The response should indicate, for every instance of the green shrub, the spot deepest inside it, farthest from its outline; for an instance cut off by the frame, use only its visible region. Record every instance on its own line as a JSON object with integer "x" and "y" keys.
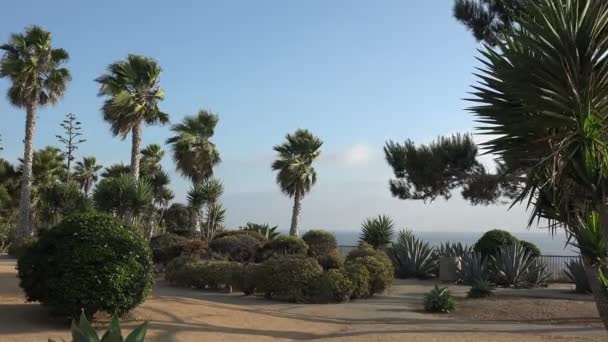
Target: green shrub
{"x": 239, "y": 248}
{"x": 252, "y": 233}
{"x": 194, "y": 247}
{"x": 481, "y": 288}
{"x": 83, "y": 331}
{"x": 250, "y": 277}
{"x": 363, "y": 250}
{"x": 575, "y": 271}
{"x": 377, "y": 263}
{"x": 330, "y": 286}
{"x": 191, "y": 272}
{"x": 18, "y": 248}
{"x": 531, "y": 248}
{"x": 377, "y": 231}
{"x": 89, "y": 261}
{"x": 270, "y": 233}
{"x": 181, "y": 271}
{"x": 491, "y": 241}
{"x": 166, "y": 247}
{"x": 359, "y": 277}
{"x": 283, "y": 245}
{"x": 439, "y": 299}
{"x": 331, "y": 261}
{"x": 320, "y": 243}
{"x": 415, "y": 258}
{"x": 287, "y": 277}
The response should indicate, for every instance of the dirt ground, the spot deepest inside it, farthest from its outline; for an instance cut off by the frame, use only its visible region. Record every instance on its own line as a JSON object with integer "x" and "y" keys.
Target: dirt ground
{"x": 176, "y": 314}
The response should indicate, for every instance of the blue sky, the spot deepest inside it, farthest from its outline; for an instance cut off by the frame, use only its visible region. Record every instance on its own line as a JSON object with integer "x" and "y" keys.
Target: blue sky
{"x": 356, "y": 73}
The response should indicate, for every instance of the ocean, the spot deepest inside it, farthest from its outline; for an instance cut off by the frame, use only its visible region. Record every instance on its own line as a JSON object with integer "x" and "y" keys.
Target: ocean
{"x": 548, "y": 245}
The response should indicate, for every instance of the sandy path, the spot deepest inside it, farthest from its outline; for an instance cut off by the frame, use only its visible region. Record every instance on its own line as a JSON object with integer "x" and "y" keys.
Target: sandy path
{"x": 188, "y": 315}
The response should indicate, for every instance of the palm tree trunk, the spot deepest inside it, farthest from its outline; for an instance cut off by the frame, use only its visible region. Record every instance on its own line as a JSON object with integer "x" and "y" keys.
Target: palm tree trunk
{"x": 135, "y": 150}
{"x": 295, "y": 216}
{"x": 25, "y": 201}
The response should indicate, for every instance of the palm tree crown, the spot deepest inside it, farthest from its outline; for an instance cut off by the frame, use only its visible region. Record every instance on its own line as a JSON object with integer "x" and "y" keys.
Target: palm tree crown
{"x": 294, "y": 163}
{"x": 193, "y": 152}
{"x": 86, "y": 173}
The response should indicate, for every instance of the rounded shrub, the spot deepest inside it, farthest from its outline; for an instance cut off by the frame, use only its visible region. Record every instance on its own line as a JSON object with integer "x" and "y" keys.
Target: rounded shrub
{"x": 88, "y": 262}
{"x": 167, "y": 246}
{"x": 377, "y": 263}
{"x": 282, "y": 246}
{"x": 181, "y": 271}
{"x": 256, "y": 235}
{"x": 360, "y": 279}
{"x": 331, "y": 261}
{"x": 530, "y": 248}
{"x": 239, "y": 248}
{"x": 491, "y": 241}
{"x": 18, "y": 248}
{"x": 288, "y": 277}
{"x": 250, "y": 278}
{"x": 362, "y": 250}
{"x": 320, "y": 242}
{"x": 330, "y": 286}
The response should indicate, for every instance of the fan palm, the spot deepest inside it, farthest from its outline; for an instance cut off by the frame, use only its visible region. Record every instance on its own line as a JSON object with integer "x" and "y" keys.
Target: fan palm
{"x": 543, "y": 94}
{"x": 193, "y": 152}
{"x": 48, "y": 167}
{"x": 151, "y": 156}
{"x": 206, "y": 197}
{"x": 115, "y": 170}
{"x": 132, "y": 93}
{"x": 38, "y": 78}
{"x": 86, "y": 172}
{"x": 295, "y": 173}
{"x": 123, "y": 196}
{"x": 377, "y": 231}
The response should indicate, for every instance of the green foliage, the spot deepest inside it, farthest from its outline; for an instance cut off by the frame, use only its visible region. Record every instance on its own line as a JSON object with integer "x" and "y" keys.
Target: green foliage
{"x": 473, "y": 268}
{"x": 492, "y": 240}
{"x": 58, "y": 200}
{"x": 453, "y": 249}
{"x": 89, "y": 261}
{"x": 177, "y": 219}
{"x": 439, "y": 299}
{"x": 330, "y": 286}
{"x": 240, "y": 248}
{"x": 415, "y": 258}
{"x": 288, "y": 277}
{"x": 331, "y": 261}
{"x": 212, "y": 275}
{"x": 254, "y": 234}
{"x": 83, "y": 331}
{"x": 488, "y": 19}
{"x": 359, "y": 277}
{"x": 19, "y": 247}
{"x": 362, "y": 250}
{"x": 181, "y": 271}
{"x": 85, "y": 173}
{"x": 284, "y": 245}
{"x": 538, "y": 273}
{"x": 270, "y": 233}
{"x": 511, "y": 265}
{"x": 377, "y": 263}
{"x": 166, "y": 247}
{"x": 320, "y": 243}
{"x": 575, "y": 271}
{"x": 377, "y": 231}
{"x": 194, "y": 247}
{"x": 531, "y": 248}
{"x": 481, "y": 288}
{"x": 124, "y": 196}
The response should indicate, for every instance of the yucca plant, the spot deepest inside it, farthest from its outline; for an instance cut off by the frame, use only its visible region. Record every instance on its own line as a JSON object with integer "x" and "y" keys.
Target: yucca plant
{"x": 481, "y": 288}
{"x": 538, "y": 274}
{"x": 453, "y": 249}
{"x": 377, "y": 231}
{"x": 473, "y": 268}
{"x": 575, "y": 271}
{"x": 265, "y": 229}
{"x": 511, "y": 265}
{"x": 415, "y": 258}
{"x": 82, "y": 331}
{"x": 439, "y": 299}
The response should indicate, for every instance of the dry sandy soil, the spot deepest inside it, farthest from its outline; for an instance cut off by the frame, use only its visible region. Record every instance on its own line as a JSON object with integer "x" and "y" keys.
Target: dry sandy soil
{"x": 189, "y": 315}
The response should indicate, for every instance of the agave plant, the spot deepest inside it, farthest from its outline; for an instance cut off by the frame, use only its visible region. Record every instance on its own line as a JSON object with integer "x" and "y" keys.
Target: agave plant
{"x": 481, "y": 288}
{"x": 473, "y": 268}
{"x": 265, "y": 229}
{"x": 414, "y": 257}
{"x": 511, "y": 265}
{"x": 575, "y": 271}
{"x": 538, "y": 274}
{"x": 84, "y": 332}
{"x": 453, "y": 249}
{"x": 439, "y": 299}
{"x": 377, "y": 231}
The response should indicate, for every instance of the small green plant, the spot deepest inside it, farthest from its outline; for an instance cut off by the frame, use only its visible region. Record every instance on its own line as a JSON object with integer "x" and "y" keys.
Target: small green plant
{"x": 575, "y": 271}
{"x": 439, "y": 299}
{"x": 415, "y": 258}
{"x": 82, "y": 331}
{"x": 481, "y": 288}
{"x": 377, "y": 231}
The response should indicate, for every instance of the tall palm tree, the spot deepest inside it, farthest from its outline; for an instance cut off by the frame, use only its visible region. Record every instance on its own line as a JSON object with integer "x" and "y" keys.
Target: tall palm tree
{"x": 193, "y": 152}
{"x": 38, "y": 78}
{"x": 151, "y": 156}
{"x": 132, "y": 93}
{"x": 115, "y": 170}
{"x": 296, "y": 175}
{"x": 86, "y": 173}
{"x": 542, "y": 94}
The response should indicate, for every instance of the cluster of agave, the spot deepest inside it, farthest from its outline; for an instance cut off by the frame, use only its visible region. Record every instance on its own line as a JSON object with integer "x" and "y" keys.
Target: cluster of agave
{"x": 83, "y": 331}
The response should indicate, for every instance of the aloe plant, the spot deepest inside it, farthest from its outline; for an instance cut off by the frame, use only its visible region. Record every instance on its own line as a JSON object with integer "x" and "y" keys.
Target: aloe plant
{"x": 473, "y": 268}
{"x": 414, "y": 257}
{"x": 84, "y": 332}
{"x": 453, "y": 249}
{"x": 511, "y": 265}
{"x": 575, "y": 271}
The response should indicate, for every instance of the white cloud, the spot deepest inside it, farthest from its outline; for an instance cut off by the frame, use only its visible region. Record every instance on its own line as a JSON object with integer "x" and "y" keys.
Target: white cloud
{"x": 356, "y": 155}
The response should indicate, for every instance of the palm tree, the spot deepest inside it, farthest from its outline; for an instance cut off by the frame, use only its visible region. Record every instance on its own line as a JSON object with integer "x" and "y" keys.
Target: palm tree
{"x": 48, "y": 167}
{"x": 151, "y": 156}
{"x": 124, "y": 197}
{"x": 203, "y": 202}
{"x": 115, "y": 170}
{"x": 38, "y": 78}
{"x": 296, "y": 176}
{"x": 487, "y": 19}
{"x": 196, "y": 203}
{"x": 193, "y": 152}
{"x": 86, "y": 173}
{"x": 132, "y": 94}
{"x": 542, "y": 95}
{"x": 377, "y": 231}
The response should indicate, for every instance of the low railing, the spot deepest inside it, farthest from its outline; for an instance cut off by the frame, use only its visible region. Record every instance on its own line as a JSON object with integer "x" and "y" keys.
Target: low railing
{"x": 555, "y": 263}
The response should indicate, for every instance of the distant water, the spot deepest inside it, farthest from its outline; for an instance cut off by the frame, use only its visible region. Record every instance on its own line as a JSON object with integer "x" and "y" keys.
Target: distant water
{"x": 548, "y": 245}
